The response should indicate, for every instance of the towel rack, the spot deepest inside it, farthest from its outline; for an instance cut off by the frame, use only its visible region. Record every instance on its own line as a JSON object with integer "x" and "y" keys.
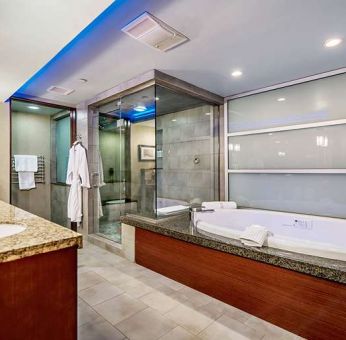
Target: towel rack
{"x": 39, "y": 175}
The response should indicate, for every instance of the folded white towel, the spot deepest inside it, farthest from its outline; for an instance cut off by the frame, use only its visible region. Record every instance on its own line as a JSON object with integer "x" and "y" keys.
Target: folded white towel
{"x": 172, "y": 209}
{"x": 25, "y": 163}
{"x": 26, "y": 166}
{"x": 220, "y": 205}
{"x": 254, "y": 236}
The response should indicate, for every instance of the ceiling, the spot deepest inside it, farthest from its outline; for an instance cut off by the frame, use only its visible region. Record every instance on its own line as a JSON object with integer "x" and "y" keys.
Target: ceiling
{"x": 272, "y": 41}
{"x": 33, "y": 32}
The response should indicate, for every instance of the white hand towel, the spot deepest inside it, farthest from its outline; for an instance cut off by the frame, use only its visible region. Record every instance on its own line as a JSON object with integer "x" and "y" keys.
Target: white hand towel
{"x": 220, "y": 205}
{"x": 26, "y": 166}
{"x": 25, "y": 163}
{"x": 254, "y": 236}
{"x": 26, "y": 180}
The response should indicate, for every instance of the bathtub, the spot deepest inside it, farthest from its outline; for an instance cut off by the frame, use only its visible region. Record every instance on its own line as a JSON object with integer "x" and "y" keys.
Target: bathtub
{"x": 306, "y": 234}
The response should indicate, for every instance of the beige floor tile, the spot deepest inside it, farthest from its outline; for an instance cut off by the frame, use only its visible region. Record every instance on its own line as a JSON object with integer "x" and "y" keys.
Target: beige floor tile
{"x": 171, "y": 283}
{"x": 188, "y": 318}
{"x": 178, "y": 333}
{"x": 150, "y": 280}
{"x": 146, "y": 325}
{"x": 131, "y": 269}
{"x": 236, "y": 314}
{"x": 290, "y": 336}
{"x": 85, "y": 313}
{"x": 84, "y": 269}
{"x": 113, "y": 259}
{"x": 88, "y": 279}
{"x": 115, "y": 277}
{"x": 135, "y": 288}
{"x": 108, "y": 273}
{"x": 271, "y": 331}
{"x": 165, "y": 290}
{"x": 193, "y": 297}
{"x": 214, "y": 309}
{"x": 99, "y": 330}
{"x": 226, "y": 328}
{"x": 99, "y": 293}
{"x": 159, "y": 301}
{"x": 175, "y": 311}
{"x": 119, "y": 308}
{"x": 91, "y": 260}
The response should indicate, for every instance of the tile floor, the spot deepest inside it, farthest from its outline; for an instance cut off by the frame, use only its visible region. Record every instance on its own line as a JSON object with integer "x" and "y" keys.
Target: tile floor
{"x": 122, "y": 300}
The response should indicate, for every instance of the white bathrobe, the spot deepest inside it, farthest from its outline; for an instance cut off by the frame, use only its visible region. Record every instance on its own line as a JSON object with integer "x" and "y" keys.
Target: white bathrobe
{"x": 77, "y": 176}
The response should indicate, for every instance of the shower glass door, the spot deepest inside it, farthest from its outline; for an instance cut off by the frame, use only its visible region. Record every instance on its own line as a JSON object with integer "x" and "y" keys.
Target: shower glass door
{"x": 126, "y": 162}
{"x": 113, "y": 135}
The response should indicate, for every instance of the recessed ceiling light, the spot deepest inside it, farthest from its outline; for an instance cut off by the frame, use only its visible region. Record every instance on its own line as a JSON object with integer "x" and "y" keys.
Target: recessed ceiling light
{"x": 332, "y": 42}
{"x": 140, "y": 108}
{"x": 207, "y": 113}
{"x": 157, "y": 98}
{"x": 237, "y": 73}
{"x": 174, "y": 120}
{"x": 32, "y": 107}
{"x": 281, "y": 99}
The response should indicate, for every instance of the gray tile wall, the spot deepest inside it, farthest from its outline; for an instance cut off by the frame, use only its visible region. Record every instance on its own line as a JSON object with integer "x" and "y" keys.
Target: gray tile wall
{"x": 59, "y": 197}
{"x": 186, "y": 169}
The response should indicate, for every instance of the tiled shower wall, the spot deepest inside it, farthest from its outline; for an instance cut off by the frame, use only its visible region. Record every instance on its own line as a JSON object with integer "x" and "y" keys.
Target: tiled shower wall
{"x": 186, "y": 171}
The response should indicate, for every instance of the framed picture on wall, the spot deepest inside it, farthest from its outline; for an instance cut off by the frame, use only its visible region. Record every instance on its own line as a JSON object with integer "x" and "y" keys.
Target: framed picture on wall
{"x": 146, "y": 153}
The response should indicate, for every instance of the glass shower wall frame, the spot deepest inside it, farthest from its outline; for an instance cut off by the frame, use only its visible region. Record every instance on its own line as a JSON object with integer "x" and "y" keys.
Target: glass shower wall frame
{"x": 146, "y": 173}
{"x": 126, "y": 125}
{"x": 187, "y": 151}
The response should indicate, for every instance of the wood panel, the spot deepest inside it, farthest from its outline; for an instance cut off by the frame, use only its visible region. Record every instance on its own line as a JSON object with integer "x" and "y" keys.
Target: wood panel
{"x": 38, "y": 299}
{"x": 305, "y": 305}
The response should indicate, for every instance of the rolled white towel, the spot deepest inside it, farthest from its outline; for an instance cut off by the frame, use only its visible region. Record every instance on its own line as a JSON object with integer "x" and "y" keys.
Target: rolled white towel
{"x": 172, "y": 209}
{"x": 254, "y": 236}
{"x": 220, "y": 205}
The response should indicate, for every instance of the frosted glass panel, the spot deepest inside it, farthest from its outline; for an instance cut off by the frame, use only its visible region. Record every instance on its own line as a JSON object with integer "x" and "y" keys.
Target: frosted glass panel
{"x": 314, "y": 148}
{"x": 315, "y": 101}
{"x": 301, "y": 193}
{"x": 62, "y": 148}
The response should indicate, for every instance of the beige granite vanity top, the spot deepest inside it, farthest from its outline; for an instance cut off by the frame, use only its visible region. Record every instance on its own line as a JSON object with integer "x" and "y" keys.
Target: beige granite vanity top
{"x": 40, "y": 235}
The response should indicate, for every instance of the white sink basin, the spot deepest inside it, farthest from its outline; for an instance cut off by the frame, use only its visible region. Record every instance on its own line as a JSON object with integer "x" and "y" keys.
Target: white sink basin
{"x": 10, "y": 229}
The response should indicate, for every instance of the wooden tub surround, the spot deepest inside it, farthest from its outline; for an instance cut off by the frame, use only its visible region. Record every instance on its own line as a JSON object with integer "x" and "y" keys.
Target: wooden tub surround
{"x": 308, "y": 306}
{"x": 38, "y": 279}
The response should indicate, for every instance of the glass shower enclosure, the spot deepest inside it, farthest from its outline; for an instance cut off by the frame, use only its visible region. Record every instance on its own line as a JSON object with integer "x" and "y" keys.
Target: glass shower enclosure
{"x": 158, "y": 154}
{"x": 127, "y": 180}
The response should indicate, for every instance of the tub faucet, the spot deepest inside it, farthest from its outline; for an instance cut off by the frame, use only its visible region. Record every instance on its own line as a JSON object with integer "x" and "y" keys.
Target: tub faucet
{"x": 193, "y": 214}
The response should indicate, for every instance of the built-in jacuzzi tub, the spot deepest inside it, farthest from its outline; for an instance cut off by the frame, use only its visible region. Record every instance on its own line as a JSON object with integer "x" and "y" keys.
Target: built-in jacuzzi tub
{"x": 306, "y": 234}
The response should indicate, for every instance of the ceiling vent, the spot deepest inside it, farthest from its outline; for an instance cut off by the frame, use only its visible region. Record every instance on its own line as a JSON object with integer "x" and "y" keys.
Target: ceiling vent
{"x": 153, "y": 32}
{"x": 62, "y": 91}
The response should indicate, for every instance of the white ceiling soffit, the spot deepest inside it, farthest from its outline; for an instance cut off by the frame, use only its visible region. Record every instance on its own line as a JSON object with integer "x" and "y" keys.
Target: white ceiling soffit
{"x": 271, "y": 41}
{"x": 33, "y": 32}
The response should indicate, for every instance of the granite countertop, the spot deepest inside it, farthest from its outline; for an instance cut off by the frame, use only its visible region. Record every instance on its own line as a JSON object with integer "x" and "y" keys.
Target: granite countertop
{"x": 40, "y": 235}
{"x": 179, "y": 227}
